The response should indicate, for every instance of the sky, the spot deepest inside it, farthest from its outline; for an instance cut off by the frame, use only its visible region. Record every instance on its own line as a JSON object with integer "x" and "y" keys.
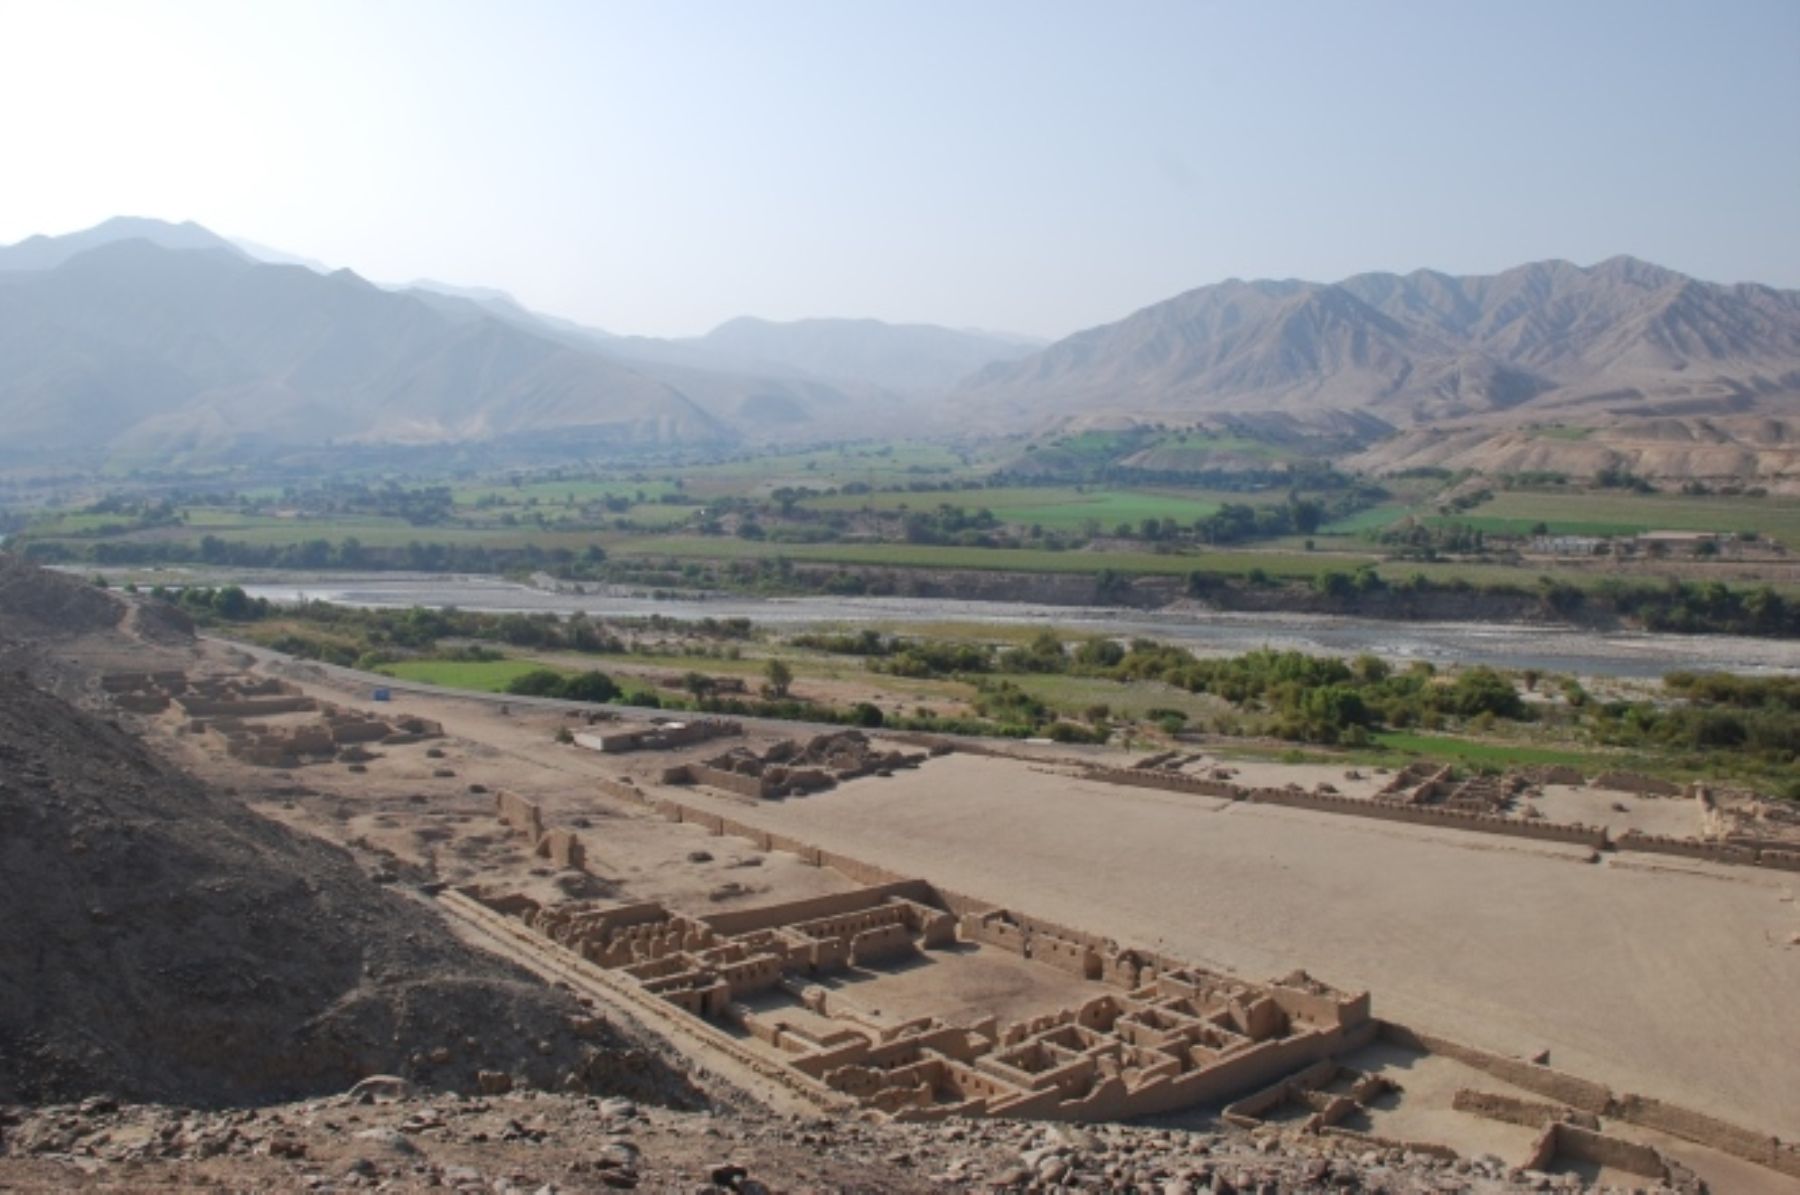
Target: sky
{"x": 1033, "y": 167}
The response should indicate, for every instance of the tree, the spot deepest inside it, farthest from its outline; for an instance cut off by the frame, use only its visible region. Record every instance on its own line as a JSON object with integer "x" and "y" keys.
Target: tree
{"x": 591, "y": 686}
{"x": 780, "y": 678}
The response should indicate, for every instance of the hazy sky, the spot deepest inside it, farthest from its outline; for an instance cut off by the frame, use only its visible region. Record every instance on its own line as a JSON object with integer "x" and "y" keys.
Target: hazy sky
{"x": 661, "y": 166}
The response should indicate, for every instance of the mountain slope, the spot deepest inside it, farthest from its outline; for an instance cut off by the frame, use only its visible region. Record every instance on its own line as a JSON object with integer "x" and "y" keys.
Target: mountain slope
{"x": 190, "y": 355}
{"x": 1421, "y": 348}
{"x": 47, "y": 252}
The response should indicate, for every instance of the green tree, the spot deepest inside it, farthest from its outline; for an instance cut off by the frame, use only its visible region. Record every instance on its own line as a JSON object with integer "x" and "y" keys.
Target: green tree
{"x": 591, "y": 686}
{"x": 780, "y": 678}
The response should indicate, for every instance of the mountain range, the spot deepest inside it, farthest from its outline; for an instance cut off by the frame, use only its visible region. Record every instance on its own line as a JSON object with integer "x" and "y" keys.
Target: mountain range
{"x": 143, "y": 341}
{"x": 140, "y": 341}
{"x": 1423, "y": 348}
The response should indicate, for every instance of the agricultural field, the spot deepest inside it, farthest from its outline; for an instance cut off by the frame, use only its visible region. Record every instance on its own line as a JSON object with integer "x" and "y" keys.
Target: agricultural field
{"x": 1516, "y": 512}
{"x": 488, "y": 676}
{"x": 829, "y": 468}
{"x": 1044, "y": 560}
{"x": 1055, "y": 508}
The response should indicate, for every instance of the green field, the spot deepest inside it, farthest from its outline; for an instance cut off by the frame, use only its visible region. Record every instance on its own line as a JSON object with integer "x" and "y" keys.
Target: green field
{"x": 826, "y": 468}
{"x": 1478, "y": 752}
{"x": 1515, "y": 512}
{"x": 1372, "y": 519}
{"x": 489, "y": 676}
{"x": 1276, "y": 564}
{"x": 1057, "y": 508}
{"x": 553, "y": 493}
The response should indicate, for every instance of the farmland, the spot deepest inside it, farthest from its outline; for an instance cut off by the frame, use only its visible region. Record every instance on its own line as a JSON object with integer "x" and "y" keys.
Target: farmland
{"x": 1517, "y": 512}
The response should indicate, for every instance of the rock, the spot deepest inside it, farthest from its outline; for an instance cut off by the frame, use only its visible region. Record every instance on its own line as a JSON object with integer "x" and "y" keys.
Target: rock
{"x": 388, "y": 1139}
{"x": 493, "y": 1082}
{"x": 700, "y": 857}
{"x": 382, "y": 1089}
{"x": 1076, "y": 1137}
{"x": 618, "y": 1109}
{"x": 727, "y": 1174}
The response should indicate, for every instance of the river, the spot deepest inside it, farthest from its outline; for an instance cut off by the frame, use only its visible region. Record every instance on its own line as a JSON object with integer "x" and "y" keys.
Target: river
{"x": 1547, "y": 648}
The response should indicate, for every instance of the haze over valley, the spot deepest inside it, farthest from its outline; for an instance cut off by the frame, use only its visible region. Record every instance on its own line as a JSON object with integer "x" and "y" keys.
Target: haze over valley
{"x": 191, "y": 350}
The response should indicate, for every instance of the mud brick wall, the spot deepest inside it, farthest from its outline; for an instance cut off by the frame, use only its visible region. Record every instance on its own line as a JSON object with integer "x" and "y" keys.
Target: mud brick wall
{"x": 1532, "y": 1114}
{"x": 1170, "y": 781}
{"x": 1589, "y": 836}
{"x": 731, "y": 782}
{"x": 519, "y": 814}
{"x": 1706, "y": 1130}
{"x": 1541, "y": 1080}
{"x": 623, "y": 789}
{"x": 1588, "y": 1145}
{"x": 564, "y": 850}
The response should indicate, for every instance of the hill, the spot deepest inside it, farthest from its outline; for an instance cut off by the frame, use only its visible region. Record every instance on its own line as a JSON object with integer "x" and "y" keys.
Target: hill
{"x": 1620, "y": 340}
{"x": 160, "y": 940}
{"x": 132, "y": 352}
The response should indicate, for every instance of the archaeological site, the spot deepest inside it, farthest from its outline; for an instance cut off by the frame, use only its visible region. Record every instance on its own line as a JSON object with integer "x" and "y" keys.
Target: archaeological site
{"x": 368, "y": 939}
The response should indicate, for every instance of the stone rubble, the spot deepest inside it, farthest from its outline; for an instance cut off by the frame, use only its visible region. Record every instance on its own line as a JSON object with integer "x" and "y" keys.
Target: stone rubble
{"x": 532, "y": 1142}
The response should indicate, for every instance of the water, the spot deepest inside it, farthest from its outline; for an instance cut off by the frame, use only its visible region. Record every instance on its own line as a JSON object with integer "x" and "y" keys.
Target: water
{"x": 1547, "y": 648}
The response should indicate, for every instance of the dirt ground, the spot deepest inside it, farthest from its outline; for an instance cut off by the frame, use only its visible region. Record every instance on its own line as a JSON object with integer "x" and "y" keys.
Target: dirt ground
{"x": 1669, "y": 978}
{"x": 1677, "y": 817}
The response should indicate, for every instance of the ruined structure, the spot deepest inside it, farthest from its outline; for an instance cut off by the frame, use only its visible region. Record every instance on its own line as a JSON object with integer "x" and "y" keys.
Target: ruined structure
{"x": 789, "y": 768}
{"x": 1155, "y": 1035}
{"x": 1426, "y": 794}
{"x": 258, "y": 720}
{"x": 563, "y": 848}
{"x": 658, "y": 736}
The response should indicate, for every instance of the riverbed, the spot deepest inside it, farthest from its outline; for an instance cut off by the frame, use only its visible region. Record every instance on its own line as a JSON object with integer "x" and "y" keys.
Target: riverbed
{"x": 1549, "y": 648}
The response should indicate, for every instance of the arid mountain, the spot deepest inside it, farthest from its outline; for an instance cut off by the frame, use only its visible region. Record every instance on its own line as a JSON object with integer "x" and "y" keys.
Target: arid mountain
{"x": 1621, "y": 337}
{"x": 133, "y": 352}
{"x": 900, "y": 358}
{"x": 47, "y": 252}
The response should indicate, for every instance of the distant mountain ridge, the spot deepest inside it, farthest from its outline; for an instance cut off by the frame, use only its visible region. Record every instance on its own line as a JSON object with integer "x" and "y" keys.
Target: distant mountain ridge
{"x": 139, "y": 353}
{"x": 48, "y": 252}
{"x": 140, "y": 340}
{"x": 1422, "y": 347}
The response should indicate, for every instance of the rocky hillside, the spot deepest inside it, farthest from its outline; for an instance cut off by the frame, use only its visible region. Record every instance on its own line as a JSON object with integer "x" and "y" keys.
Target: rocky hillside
{"x": 159, "y": 940}
{"x": 1622, "y": 338}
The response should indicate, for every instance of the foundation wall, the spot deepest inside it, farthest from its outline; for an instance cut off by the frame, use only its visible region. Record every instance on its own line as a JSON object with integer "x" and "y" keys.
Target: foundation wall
{"x": 623, "y": 789}
{"x": 1541, "y": 1080}
{"x": 744, "y": 921}
{"x": 1588, "y": 1145}
{"x": 1589, "y": 836}
{"x": 1710, "y": 1131}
